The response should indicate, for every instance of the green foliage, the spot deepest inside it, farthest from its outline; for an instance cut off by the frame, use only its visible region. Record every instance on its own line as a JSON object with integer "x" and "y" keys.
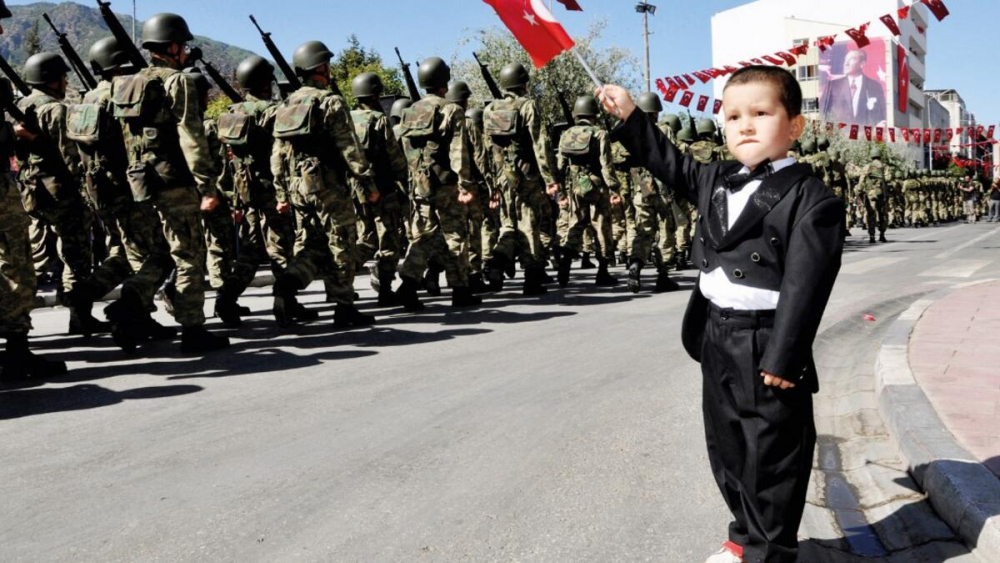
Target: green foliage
{"x": 217, "y": 106}
{"x": 356, "y": 59}
{"x": 496, "y": 47}
{"x": 32, "y": 41}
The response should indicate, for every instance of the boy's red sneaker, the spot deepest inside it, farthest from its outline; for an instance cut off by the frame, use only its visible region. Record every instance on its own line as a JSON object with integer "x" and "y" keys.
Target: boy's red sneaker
{"x": 730, "y": 553}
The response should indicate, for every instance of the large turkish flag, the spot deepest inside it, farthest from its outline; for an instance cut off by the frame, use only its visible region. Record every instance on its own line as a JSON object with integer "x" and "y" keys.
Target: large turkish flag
{"x": 534, "y": 27}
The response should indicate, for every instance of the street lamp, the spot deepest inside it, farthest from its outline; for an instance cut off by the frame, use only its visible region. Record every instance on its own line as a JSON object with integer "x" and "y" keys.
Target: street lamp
{"x": 646, "y": 9}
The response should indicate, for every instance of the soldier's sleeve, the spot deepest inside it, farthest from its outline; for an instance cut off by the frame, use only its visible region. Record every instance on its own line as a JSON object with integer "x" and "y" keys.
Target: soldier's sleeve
{"x": 341, "y": 127}
{"x": 547, "y": 165}
{"x": 279, "y": 169}
{"x": 52, "y": 120}
{"x": 396, "y": 159}
{"x": 479, "y": 155}
{"x": 183, "y": 93}
{"x": 608, "y": 163}
{"x": 459, "y": 151}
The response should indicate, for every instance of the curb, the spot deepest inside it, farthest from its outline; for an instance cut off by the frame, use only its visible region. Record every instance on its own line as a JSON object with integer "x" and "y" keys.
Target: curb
{"x": 47, "y": 300}
{"x": 965, "y": 494}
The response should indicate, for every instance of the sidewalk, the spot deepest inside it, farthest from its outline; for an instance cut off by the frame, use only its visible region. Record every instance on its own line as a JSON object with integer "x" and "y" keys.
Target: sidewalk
{"x": 955, "y": 357}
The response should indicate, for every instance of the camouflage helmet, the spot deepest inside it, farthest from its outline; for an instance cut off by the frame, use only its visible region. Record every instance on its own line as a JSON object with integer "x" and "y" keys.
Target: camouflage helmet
{"x": 513, "y": 75}
{"x": 476, "y": 115}
{"x": 398, "y": 106}
{"x": 367, "y": 85}
{"x": 809, "y": 146}
{"x": 686, "y": 134}
{"x": 706, "y": 127}
{"x": 254, "y": 73}
{"x": 458, "y": 92}
{"x": 106, "y": 55}
{"x": 433, "y": 73}
{"x": 673, "y": 121}
{"x": 585, "y": 106}
{"x": 199, "y": 79}
{"x": 875, "y": 153}
{"x": 649, "y": 103}
{"x": 165, "y": 28}
{"x": 823, "y": 144}
{"x": 43, "y": 68}
{"x": 4, "y": 11}
{"x": 310, "y": 56}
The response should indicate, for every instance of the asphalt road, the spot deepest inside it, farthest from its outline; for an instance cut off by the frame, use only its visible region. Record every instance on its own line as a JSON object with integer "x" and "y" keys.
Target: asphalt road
{"x": 561, "y": 429}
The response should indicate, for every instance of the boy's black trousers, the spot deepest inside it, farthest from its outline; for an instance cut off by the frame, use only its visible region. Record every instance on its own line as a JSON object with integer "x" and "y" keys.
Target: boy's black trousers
{"x": 760, "y": 438}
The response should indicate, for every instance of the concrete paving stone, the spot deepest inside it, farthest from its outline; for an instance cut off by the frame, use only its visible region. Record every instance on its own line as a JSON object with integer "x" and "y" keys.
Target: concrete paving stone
{"x": 821, "y": 526}
{"x": 868, "y": 451}
{"x": 879, "y": 484}
{"x": 866, "y": 422}
{"x": 902, "y": 524}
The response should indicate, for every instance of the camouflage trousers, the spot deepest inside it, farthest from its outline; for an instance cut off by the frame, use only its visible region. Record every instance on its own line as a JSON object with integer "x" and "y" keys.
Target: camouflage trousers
{"x": 476, "y": 219}
{"x": 220, "y": 244}
{"x": 583, "y": 211}
{"x": 525, "y": 234}
{"x": 439, "y": 231}
{"x": 654, "y": 219}
{"x": 265, "y": 235}
{"x": 876, "y": 213}
{"x": 17, "y": 276}
{"x": 623, "y": 229}
{"x": 43, "y": 248}
{"x": 119, "y": 264}
{"x": 379, "y": 226}
{"x": 683, "y": 222}
{"x": 326, "y": 242}
{"x": 147, "y": 251}
{"x": 493, "y": 219}
{"x": 70, "y": 220}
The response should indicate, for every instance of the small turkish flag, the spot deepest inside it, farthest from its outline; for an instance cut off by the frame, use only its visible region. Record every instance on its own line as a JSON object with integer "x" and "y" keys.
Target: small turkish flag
{"x": 879, "y": 134}
{"x": 686, "y": 98}
{"x": 703, "y": 76}
{"x": 937, "y": 8}
{"x": 979, "y": 131}
{"x": 671, "y": 94}
{"x": 937, "y": 135}
{"x": 892, "y": 134}
{"x": 680, "y": 82}
{"x": 951, "y": 134}
{"x": 799, "y": 50}
{"x": 534, "y": 27}
{"x": 906, "y": 134}
{"x": 859, "y": 35}
{"x": 716, "y": 106}
{"x": 868, "y": 132}
{"x": 702, "y": 103}
{"x": 854, "y": 133}
{"x": 773, "y": 60}
{"x": 829, "y": 127}
{"x": 571, "y": 5}
{"x": 787, "y": 57}
{"x": 990, "y": 131}
{"x": 841, "y": 125}
{"x": 661, "y": 86}
{"x": 689, "y": 79}
{"x": 927, "y": 136}
{"x": 904, "y": 12}
{"x": 891, "y": 24}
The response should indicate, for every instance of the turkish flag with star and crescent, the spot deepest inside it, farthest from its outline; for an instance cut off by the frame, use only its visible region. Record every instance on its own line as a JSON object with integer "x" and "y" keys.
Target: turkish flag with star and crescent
{"x": 534, "y": 27}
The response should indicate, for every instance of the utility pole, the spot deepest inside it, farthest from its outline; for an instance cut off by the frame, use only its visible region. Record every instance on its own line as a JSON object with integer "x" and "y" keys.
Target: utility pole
{"x": 646, "y": 9}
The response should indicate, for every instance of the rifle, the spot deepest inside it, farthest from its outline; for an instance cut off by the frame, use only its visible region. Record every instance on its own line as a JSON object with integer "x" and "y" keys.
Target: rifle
{"x": 14, "y": 77}
{"x": 75, "y": 61}
{"x": 196, "y": 55}
{"x": 411, "y": 86}
{"x": 28, "y": 121}
{"x": 566, "y": 111}
{"x": 292, "y": 81}
{"x": 488, "y": 77}
{"x": 121, "y": 36}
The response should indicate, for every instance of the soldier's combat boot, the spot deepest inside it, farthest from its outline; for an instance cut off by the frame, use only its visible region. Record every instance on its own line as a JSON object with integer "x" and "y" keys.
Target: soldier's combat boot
{"x": 197, "y": 340}
{"x": 534, "y": 282}
{"x": 495, "y": 272}
{"x": 476, "y": 284}
{"x": 244, "y": 311}
{"x": 681, "y": 262}
{"x": 228, "y": 310}
{"x": 168, "y": 294}
{"x": 432, "y": 281}
{"x": 663, "y": 281}
{"x": 374, "y": 278}
{"x": 407, "y": 295}
{"x": 298, "y": 312}
{"x": 585, "y": 263}
{"x": 386, "y": 297}
{"x": 881, "y": 238}
{"x": 604, "y": 278}
{"x": 635, "y": 276}
{"x": 155, "y": 331}
{"x": 565, "y": 264}
{"x": 347, "y": 315}
{"x": 18, "y": 363}
{"x": 127, "y": 315}
{"x": 463, "y": 297}
{"x": 871, "y": 239}
{"x": 81, "y": 318}
{"x": 284, "y": 291}
{"x": 622, "y": 258}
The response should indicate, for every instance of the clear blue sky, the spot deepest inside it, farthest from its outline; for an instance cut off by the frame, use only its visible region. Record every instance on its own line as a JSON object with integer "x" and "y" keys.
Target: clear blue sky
{"x": 959, "y": 57}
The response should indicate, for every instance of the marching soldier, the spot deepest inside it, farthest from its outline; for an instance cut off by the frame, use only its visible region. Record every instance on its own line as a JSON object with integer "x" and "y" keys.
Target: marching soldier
{"x": 315, "y": 152}
{"x": 591, "y": 189}
{"x": 170, "y": 165}
{"x": 872, "y": 189}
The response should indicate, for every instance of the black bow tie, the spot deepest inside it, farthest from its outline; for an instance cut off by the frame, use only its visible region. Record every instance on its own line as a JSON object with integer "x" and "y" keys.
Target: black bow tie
{"x": 736, "y": 182}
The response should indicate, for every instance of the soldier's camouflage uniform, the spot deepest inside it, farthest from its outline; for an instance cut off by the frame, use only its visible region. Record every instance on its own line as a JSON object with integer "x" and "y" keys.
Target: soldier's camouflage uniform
{"x": 623, "y": 216}
{"x": 170, "y": 165}
{"x": 654, "y": 217}
{"x": 484, "y": 223}
{"x": 220, "y": 237}
{"x": 587, "y": 163}
{"x": 872, "y": 190}
{"x": 17, "y": 276}
{"x": 315, "y": 150}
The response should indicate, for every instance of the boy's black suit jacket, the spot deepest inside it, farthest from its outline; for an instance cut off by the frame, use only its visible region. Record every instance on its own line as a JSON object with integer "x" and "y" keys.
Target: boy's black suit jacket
{"x": 789, "y": 239}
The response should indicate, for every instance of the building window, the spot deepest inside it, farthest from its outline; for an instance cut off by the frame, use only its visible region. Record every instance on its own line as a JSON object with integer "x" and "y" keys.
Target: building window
{"x": 798, "y": 42}
{"x": 916, "y": 111}
{"x": 808, "y": 72}
{"x": 810, "y": 105}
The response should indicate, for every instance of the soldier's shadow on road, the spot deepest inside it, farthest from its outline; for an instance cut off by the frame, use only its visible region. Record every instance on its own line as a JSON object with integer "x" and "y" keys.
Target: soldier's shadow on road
{"x": 19, "y": 403}
{"x": 914, "y": 530}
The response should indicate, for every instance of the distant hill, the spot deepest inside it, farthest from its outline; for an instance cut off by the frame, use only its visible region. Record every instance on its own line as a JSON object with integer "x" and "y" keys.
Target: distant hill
{"x": 83, "y": 26}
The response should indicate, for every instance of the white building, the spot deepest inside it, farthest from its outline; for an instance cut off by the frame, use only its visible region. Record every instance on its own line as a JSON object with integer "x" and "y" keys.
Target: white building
{"x": 958, "y": 117}
{"x": 768, "y": 26}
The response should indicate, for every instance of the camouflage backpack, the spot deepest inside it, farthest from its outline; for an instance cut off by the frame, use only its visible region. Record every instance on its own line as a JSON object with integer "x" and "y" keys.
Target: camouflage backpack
{"x": 138, "y": 99}
{"x": 502, "y": 121}
{"x": 43, "y": 173}
{"x": 577, "y": 146}
{"x": 426, "y": 151}
{"x": 102, "y": 149}
{"x": 298, "y": 123}
{"x": 250, "y": 146}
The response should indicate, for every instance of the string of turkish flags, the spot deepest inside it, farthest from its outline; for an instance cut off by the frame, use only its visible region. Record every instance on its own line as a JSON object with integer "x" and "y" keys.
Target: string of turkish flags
{"x": 967, "y": 145}
{"x": 914, "y": 135}
{"x": 671, "y": 86}
{"x": 966, "y": 163}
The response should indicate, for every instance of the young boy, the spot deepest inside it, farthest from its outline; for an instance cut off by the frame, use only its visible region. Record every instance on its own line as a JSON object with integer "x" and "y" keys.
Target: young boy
{"x": 768, "y": 243}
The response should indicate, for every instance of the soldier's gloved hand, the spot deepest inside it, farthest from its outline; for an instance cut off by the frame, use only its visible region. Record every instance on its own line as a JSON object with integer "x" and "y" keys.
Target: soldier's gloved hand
{"x": 465, "y": 198}
{"x": 209, "y": 203}
{"x": 21, "y": 133}
{"x": 283, "y": 208}
{"x": 616, "y": 199}
{"x": 553, "y": 189}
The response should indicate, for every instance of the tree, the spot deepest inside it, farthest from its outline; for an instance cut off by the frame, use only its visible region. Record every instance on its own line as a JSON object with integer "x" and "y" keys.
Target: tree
{"x": 496, "y": 47}
{"x": 217, "y": 106}
{"x": 356, "y": 59}
{"x": 32, "y": 41}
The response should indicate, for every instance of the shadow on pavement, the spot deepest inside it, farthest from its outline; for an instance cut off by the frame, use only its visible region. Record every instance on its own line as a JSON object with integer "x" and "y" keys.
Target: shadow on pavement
{"x": 19, "y": 403}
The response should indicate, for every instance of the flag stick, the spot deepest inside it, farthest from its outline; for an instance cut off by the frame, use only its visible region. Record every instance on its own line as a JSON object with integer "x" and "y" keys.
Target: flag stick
{"x": 593, "y": 76}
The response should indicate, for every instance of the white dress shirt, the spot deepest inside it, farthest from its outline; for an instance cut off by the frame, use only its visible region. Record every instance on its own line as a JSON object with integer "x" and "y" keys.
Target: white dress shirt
{"x": 855, "y": 82}
{"x": 715, "y": 286}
